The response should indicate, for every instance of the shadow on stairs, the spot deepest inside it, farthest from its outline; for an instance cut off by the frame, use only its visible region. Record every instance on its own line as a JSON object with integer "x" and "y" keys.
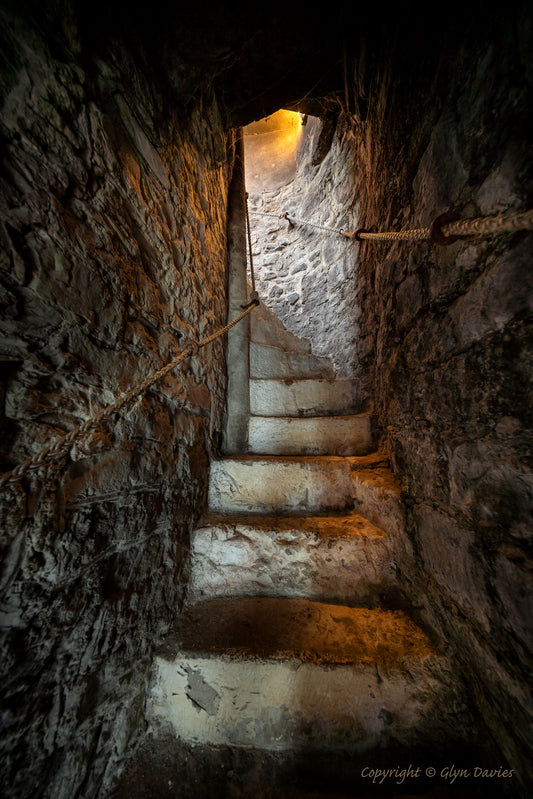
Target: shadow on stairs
{"x": 294, "y": 670}
{"x": 167, "y": 769}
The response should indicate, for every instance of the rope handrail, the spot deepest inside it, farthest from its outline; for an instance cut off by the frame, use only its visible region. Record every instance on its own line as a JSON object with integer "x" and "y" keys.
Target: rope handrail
{"x": 292, "y": 220}
{"x": 254, "y": 295}
{"x": 448, "y": 228}
{"x": 54, "y": 450}
{"x": 445, "y": 229}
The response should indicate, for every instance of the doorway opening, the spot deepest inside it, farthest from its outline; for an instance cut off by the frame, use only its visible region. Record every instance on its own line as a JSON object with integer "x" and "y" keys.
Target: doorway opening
{"x": 301, "y": 190}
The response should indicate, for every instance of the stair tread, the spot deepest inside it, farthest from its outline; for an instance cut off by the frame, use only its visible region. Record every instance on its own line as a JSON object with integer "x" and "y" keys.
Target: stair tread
{"x": 288, "y": 381}
{"x": 371, "y": 469}
{"x": 313, "y": 435}
{"x": 333, "y": 417}
{"x": 270, "y": 484}
{"x": 274, "y": 362}
{"x": 346, "y": 525}
{"x": 298, "y": 629}
{"x": 363, "y": 462}
{"x": 289, "y": 352}
{"x": 267, "y": 328}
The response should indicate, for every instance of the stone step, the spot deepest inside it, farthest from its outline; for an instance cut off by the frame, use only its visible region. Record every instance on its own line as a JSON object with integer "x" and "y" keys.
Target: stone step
{"x": 318, "y": 435}
{"x": 267, "y": 328}
{"x": 302, "y": 397}
{"x": 295, "y": 484}
{"x": 273, "y": 362}
{"x": 342, "y": 558}
{"x": 289, "y": 673}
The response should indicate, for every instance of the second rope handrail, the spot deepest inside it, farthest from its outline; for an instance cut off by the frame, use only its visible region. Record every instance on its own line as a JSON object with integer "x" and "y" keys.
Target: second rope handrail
{"x": 82, "y": 431}
{"x": 445, "y": 229}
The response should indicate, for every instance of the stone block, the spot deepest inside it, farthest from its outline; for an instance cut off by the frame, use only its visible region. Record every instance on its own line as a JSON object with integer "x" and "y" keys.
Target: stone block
{"x": 340, "y": 557}
{"x": 293, "y": 674}
{"x": 302, "y": 397}
{"x": 446, "y": 552}
{"x": 273, "y": 362}
{"x": 319, "y": 435}
{"x": 271, "y": 484}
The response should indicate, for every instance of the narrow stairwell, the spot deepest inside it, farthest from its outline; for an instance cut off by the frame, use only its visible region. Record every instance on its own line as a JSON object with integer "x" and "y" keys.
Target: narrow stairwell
{"x": 294, "y": 663}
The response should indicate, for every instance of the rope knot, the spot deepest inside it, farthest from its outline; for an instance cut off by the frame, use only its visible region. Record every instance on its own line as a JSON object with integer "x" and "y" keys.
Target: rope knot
{"x": 190, "y": 347}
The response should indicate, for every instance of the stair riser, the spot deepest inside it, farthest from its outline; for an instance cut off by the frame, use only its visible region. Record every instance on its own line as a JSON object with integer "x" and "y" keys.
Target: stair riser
{"x": 262, "y": 486}
{"x": 318, "y": 436}
{"x": 302, "y": 397}
{"x": 374, "y": 498}
{"x": 241, "y": 560}
{"x": 274, "y": 487}
{"x": 267, "y": 329}
{"x": 271, "y": 362}
{"x": 278, "y": 705}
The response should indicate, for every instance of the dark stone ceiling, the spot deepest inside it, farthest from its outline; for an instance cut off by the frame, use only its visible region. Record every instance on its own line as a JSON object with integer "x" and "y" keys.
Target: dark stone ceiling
{"x": 259, "y": 58}
{"x": 265, "y": 56}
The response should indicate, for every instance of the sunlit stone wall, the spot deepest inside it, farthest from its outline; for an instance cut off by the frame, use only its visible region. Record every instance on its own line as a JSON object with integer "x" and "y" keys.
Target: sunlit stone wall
{"x": 307, "y": 275}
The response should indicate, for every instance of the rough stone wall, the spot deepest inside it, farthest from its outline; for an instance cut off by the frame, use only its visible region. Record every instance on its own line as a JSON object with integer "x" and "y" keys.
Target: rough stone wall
{"x": 308, "y": 276}
{"x": 113, "y": 237}
{"x": 446, "y": 343}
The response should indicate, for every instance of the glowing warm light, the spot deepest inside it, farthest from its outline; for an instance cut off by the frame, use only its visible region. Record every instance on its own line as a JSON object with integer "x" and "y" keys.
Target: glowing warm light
{"x": 282, "y": 128}
{"x": 270, "y": 149}
{"x": 280, "y": 120}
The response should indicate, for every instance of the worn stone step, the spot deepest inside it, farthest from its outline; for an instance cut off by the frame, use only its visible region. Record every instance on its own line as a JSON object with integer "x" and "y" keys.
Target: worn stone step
{"x": 343, "y": 558}
{"x": 290, "y": 673}
{"x": 302, "y": 397}
{"x": 273, "y": 362}
{"x": 267, "y": 328}
{"x": 318, "y": 435}
{"x": 272, "y": 484}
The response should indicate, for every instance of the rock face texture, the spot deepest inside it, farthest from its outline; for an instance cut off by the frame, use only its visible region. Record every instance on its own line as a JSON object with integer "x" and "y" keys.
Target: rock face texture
{"x": 446, "y": 345}
{"x": 113, "y": 251}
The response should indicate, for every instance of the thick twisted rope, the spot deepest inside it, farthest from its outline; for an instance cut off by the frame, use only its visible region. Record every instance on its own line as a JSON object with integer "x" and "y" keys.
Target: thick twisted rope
{"x": 443, "y": 230}
{"x": 54, "y": 450}
{"x": 490, "y": 225}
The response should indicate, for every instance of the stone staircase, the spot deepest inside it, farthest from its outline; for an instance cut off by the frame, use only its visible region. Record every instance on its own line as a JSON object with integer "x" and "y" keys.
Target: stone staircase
{"x": 293, "y": 642}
